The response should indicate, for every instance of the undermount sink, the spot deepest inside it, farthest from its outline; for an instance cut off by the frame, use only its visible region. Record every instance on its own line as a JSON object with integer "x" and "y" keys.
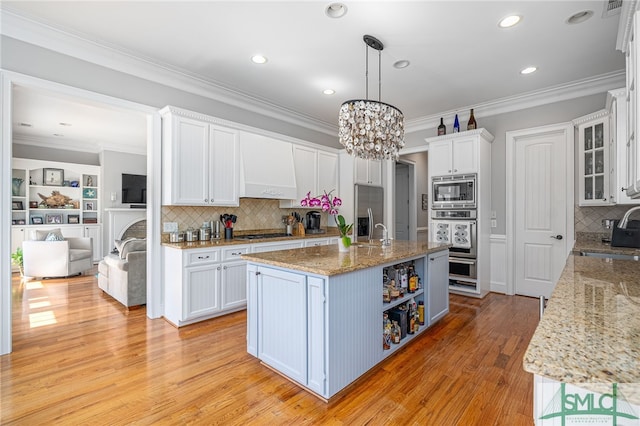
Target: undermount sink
{"x": 610, "y": 255}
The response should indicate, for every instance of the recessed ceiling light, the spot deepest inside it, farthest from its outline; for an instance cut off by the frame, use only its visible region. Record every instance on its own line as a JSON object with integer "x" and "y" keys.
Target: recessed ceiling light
{"x": 403, "y": 63}
{"x": 65, "y": 124}
{"x": 579, "y": 17}
{"x": 259, "y": 59}
{"x": 336, "y": 10}
{"x": 509, "y": 21}
{"x": 528, "y": 70}
{"x": 328, "y": 91}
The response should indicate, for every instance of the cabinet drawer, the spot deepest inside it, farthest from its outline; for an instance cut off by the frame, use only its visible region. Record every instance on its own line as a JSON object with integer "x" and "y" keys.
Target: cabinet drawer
{"x": 198, "y": 257}
{"x": 233, "y": 253}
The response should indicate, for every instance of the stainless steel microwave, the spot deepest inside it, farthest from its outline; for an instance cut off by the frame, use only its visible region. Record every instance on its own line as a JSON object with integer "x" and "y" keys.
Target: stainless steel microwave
{"x": 454, "y": 192}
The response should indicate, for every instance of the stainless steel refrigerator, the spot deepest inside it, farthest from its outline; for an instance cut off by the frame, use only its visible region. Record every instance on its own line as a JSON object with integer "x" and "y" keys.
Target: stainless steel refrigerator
{"x": 369, "y": 201}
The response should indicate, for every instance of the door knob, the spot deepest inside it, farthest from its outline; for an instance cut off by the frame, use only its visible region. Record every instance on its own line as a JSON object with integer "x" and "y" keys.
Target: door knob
{"x": 557, "y": 237}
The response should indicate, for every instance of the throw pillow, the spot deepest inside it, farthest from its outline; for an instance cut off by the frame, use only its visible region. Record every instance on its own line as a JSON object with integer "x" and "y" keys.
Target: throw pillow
{"x": 54, "y": 236}
{"x": 42, "y": 234}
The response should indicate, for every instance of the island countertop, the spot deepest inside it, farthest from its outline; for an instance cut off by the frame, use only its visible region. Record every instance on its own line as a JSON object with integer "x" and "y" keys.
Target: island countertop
{"x": 328, "y": 261}
{"x": 590, "y": 331}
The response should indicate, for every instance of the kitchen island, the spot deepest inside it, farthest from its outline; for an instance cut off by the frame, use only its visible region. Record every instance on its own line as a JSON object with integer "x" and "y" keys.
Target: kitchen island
{"x": 315, "y": 314}
{"x": 588, "y": 340}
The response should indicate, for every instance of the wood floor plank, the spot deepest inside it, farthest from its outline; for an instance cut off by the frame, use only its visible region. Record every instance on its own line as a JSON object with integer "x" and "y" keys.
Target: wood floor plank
{"x": 82, "y": 358}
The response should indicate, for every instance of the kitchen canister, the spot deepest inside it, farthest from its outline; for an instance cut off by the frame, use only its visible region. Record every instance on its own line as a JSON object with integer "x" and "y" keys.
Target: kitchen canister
{"x": 191, "y": 235}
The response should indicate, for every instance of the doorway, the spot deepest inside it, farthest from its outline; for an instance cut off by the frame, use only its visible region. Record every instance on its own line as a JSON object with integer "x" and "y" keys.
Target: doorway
{"x": 539, "y": 207}
{"x": 405, "y": 201}
{"x": 10, "y": 80}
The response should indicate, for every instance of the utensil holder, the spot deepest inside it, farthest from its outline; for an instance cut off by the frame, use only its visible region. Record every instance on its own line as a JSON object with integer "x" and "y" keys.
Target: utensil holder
{"x": 228, "y": 233}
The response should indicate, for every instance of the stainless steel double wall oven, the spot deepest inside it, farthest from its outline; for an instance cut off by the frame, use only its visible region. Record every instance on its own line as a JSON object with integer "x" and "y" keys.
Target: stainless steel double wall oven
{"x": 453, "y": 220}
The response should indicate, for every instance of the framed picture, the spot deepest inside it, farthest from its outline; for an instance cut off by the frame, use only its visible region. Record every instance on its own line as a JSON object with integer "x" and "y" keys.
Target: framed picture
{"x": 425, "y": 202}
{"x": 37, "y": 220}
{"x": 54, "y": 218}
{"x": 53, "y": 177}
{"x": 73, "y": 218}
{"x": 88, "y": 206}
{"x": 33, "y": 204}
{"x": 89, "y": 193}
{"x": 16, "y": 205}
{"x": 21, "y": 222}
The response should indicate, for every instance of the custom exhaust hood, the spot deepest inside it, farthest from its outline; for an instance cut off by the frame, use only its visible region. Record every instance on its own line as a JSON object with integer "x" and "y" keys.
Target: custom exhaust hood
{"x": 267, "y": 169}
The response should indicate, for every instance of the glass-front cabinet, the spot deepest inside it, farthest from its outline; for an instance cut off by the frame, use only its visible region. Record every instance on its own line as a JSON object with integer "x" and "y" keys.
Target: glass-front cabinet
{"x": 594, "y": 168}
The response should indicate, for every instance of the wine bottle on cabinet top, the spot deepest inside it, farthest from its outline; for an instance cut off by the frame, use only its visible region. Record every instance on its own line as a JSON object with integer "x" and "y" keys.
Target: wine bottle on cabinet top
{"x": 442, "y": 129}
{"x": 472, "y": 122}
{"x": 456, "y": 124}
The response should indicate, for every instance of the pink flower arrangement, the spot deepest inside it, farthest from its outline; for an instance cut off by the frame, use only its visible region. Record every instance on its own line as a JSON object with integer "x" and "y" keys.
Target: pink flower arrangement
{"x": 330, "y": 203}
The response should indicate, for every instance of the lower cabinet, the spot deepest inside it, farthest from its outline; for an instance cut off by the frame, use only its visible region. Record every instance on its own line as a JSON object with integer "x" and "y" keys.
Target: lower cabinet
{"x": 203, "y": 283}
{"x": 94, "y": 232}
{"x": 438, "y": 285}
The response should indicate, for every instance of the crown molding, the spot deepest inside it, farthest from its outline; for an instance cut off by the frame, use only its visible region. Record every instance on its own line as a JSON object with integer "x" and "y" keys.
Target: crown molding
{"x": 575, "y": 89}
{"x": 31, "y": 31}
{"x": 76, "y": 45}
{"x": 589, "y": 117}
{"x": 625, "y": 24}
{"x": 77, "y": 145}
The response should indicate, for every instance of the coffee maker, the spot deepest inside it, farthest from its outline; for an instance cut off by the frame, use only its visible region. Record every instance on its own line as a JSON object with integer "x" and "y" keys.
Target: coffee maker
{"x": 313, "y": 223}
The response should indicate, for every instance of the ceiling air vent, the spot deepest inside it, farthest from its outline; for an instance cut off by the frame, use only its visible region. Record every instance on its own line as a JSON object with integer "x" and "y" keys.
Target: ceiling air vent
{"x": 611, "y": 8}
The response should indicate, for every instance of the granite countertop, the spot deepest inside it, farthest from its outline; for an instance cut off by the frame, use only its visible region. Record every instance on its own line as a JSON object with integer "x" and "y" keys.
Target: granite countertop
{"x": 589, "y": 334}
{"x": 597, "y": 246}
{"x": 327, "y": 260}
{"x": 330, "y": 233}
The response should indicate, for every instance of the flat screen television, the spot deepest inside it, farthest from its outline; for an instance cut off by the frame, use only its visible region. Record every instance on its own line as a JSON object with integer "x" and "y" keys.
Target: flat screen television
{"x": 134, "y": 189}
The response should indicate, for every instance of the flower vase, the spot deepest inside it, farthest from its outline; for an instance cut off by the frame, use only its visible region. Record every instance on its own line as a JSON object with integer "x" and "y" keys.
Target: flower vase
{"x": 341, "y": 246}
{"x": 16, "y": 183}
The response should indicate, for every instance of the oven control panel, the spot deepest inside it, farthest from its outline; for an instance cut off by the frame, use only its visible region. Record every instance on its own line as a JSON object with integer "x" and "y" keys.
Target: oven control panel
{"x": 457, "y": 232}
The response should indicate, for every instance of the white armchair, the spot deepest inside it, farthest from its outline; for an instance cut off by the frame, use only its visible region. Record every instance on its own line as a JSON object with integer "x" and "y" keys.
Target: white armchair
{"x": 57, "y": 258}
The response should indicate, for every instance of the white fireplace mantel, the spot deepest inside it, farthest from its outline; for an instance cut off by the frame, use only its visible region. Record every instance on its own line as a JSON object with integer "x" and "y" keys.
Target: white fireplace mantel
{"x": 121, "y": 219}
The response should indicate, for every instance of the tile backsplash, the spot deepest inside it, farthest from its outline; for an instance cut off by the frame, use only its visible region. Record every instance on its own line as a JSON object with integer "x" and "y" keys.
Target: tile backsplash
{"x": 253, "y": 214}
{"x": 589, "y": 219}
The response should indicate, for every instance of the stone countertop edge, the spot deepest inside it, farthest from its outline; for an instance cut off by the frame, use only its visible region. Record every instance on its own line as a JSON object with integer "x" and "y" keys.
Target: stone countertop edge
{"x": 589, "y": 334}
{"x": 238, "y": 242}
{"x": 328, "y": 260}
{"x": 595, "y": 246}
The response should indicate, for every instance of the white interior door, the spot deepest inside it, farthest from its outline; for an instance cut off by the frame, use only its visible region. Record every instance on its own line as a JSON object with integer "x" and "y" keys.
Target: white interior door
{"x": 542, "y": 196}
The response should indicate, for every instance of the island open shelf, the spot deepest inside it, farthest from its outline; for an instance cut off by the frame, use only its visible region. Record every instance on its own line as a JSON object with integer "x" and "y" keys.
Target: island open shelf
{"x": 316, "y": 315}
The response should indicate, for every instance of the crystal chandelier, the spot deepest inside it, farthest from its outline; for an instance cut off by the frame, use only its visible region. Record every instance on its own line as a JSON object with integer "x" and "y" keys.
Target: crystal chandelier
{"x": 371, "y": 129}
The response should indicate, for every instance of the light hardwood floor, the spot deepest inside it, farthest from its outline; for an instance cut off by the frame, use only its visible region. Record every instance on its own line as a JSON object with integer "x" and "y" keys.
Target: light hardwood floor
{"x": 80, "y": 358}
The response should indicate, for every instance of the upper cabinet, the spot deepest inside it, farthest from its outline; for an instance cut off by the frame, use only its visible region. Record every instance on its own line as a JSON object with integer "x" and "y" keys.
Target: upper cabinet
{"x": 620, "y": 154}
{"x": 629, "y": 27}
{"x": 594, "y": 167}
{"x": 316, "y": 171}
{"x": 200, "y": 161}
{"x": 368, "y": 171}
{"x": 457, "y": 153}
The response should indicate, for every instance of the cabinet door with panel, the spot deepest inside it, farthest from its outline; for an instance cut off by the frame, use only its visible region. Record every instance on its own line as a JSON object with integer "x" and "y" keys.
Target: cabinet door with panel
{"x": 233, "y": 275}
{"x": 593, "y": 161}
{"x": 438, "y": 285}
{"x": 201, "y": 291}
{"x": 368, "y": 171}
{"x": 224, "y": 174}
{"x": 328, "y": 172}
{"x": 282, "y": 321}
{"x": 453, "y": 156}
{"x": 95, "y": 233}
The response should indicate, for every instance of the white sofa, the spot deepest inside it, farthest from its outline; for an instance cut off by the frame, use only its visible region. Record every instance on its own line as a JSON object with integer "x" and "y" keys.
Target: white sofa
{"x": 56, "y": 258}
{"x": 123, "y": 275}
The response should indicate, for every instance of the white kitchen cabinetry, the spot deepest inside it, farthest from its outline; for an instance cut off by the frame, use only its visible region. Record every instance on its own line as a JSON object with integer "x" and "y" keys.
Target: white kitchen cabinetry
{"x": 314, "y": 242}
{"x": 630, "y": 25}
{"x": 368, "y": 171}
{"x": 316, "y": 172}
{"x": 200, "y": 160}
{"x": 203, "y": 283}
{"x": 454, "y": 156}
{"x": 594, "y": 168}
{"x": 620, "y": 157}
{"x": 438, "y": 284}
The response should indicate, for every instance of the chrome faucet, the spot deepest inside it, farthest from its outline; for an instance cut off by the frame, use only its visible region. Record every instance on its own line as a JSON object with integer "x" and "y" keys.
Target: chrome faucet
{"x": 386, "y": 242}
{"x": 625, "y": 219}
